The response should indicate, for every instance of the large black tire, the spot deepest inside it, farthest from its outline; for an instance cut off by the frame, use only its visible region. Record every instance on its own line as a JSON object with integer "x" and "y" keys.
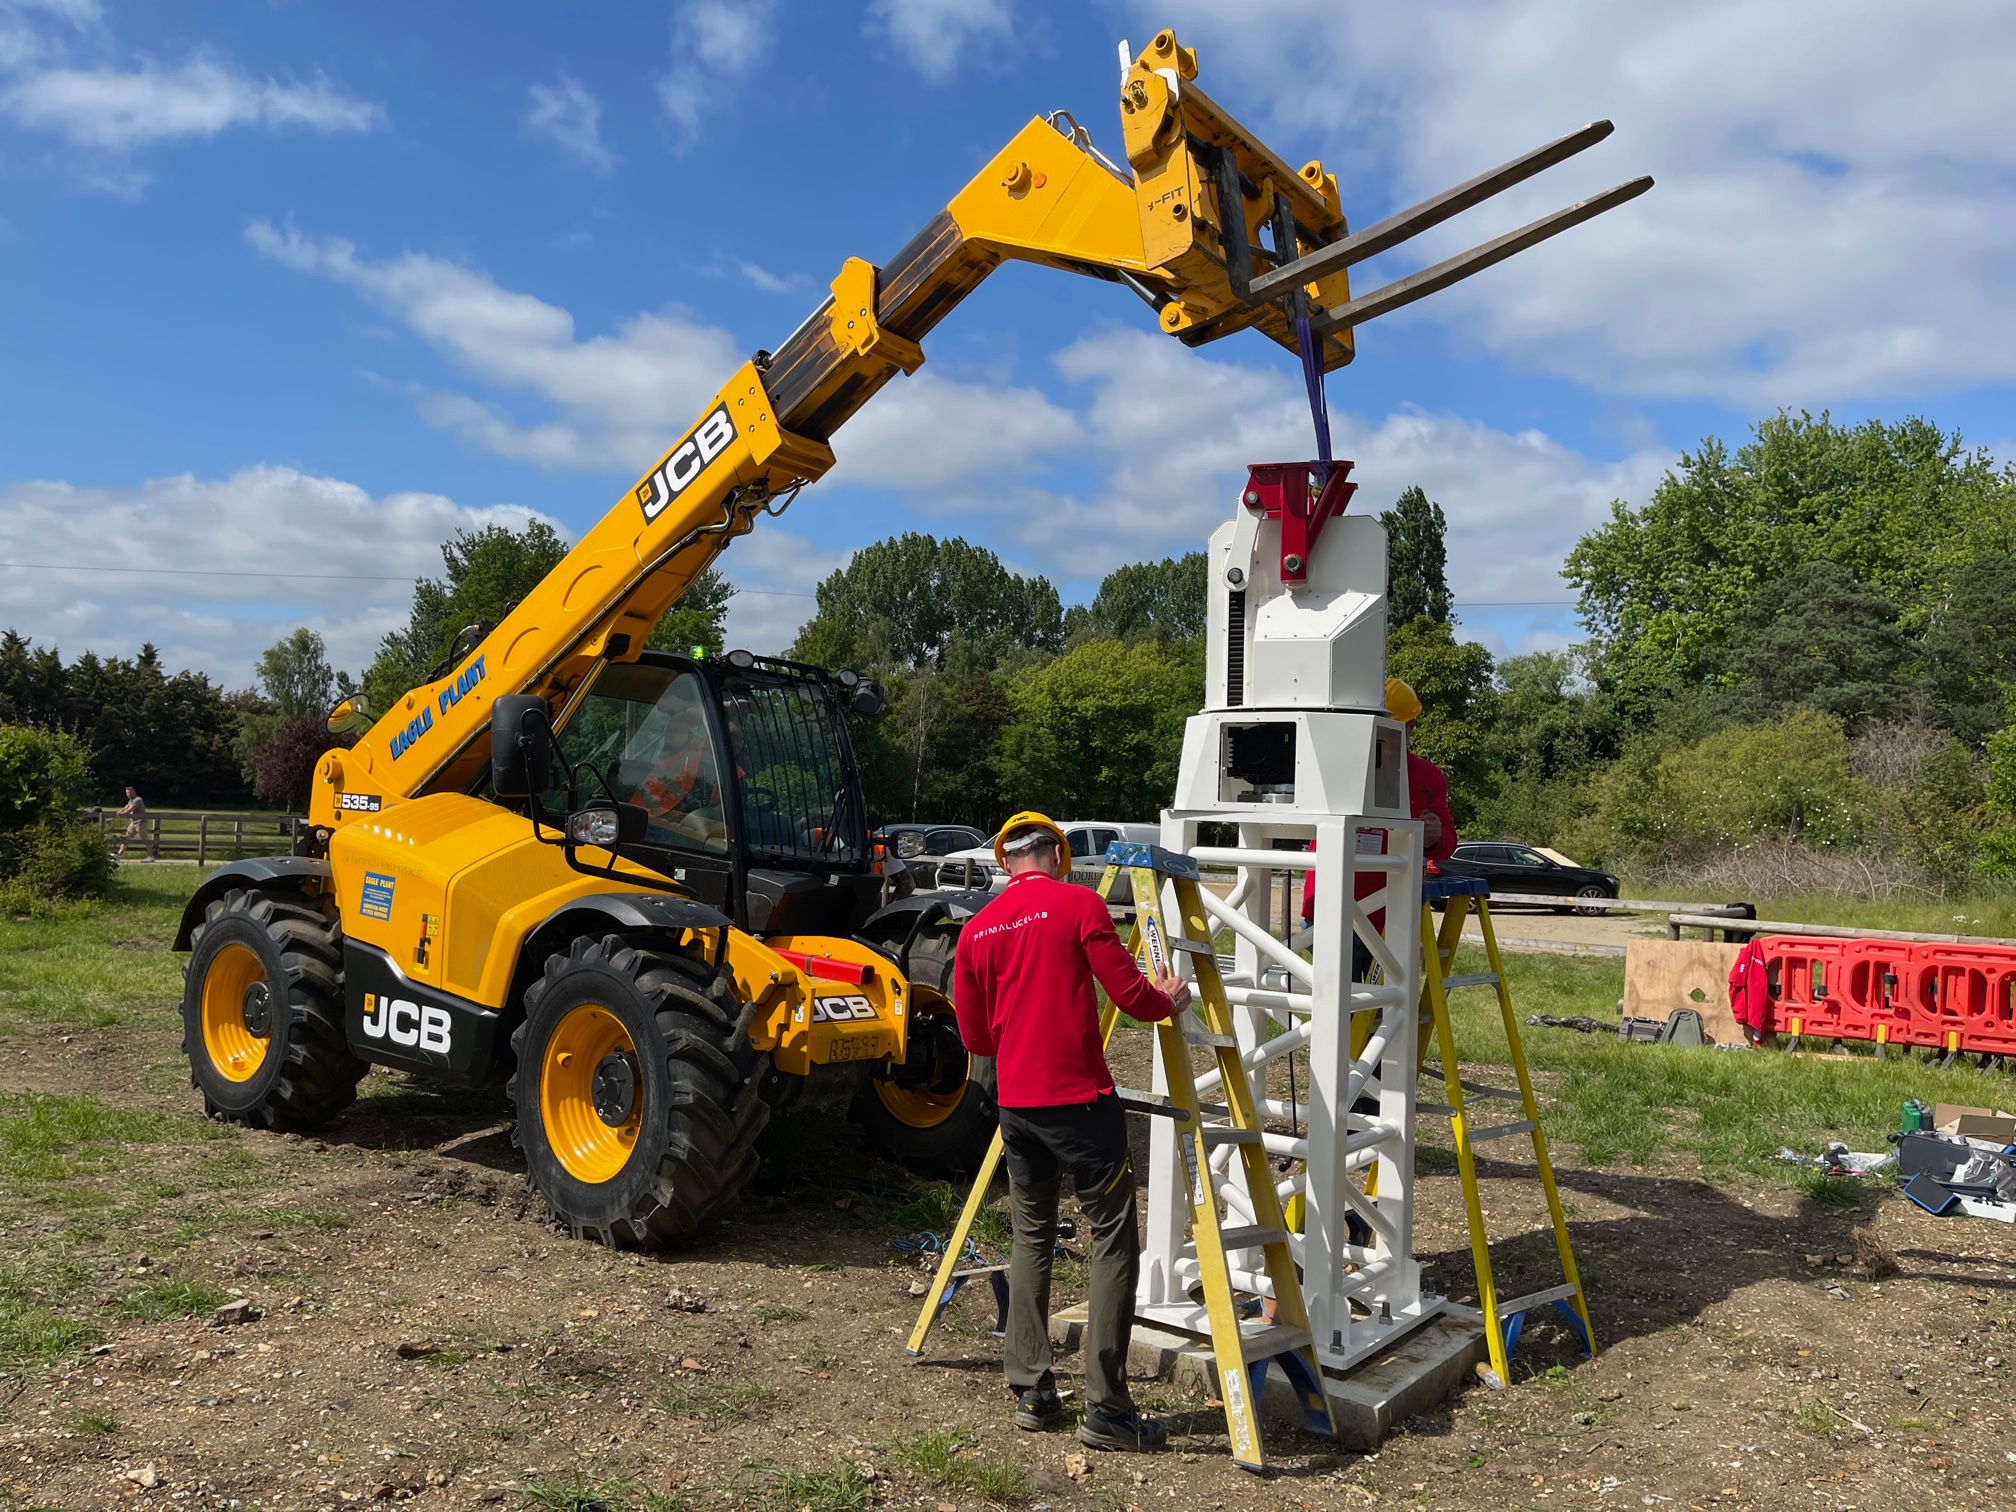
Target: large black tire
{"x": 693, "y": 1110}
{"x": 262, "y": 1012}
{"x": 940, "y": 1123}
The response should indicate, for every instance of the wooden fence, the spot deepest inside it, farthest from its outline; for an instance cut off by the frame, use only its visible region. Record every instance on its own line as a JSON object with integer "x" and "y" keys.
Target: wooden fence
{"x": 171, "y": 835}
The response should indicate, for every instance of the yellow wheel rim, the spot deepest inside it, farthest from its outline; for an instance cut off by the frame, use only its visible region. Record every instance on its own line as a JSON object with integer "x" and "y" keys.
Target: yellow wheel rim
{"x": 919, "y": 1107}
{"x": 587, "y": 1146}
{"x": 234, "y": 1050}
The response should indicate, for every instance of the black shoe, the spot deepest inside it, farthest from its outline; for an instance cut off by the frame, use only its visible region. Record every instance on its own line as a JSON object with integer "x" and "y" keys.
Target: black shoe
{"x": 1105, "y": 1430}
{"x": 1038, "y": 1408}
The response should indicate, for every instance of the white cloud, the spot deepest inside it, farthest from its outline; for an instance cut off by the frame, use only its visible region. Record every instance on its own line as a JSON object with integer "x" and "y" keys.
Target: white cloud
{"x": 1835, "y": 216}
{"x": 774, "y": 571}
{"x": 227, "y": 565}
{"x": 715, "y": 46}
{"x": 768, "y": 282}
{"x": 927, "y": 434}
{"x": 569, "y": 116}
{"x": 620, "y": 399}
{"x": 930, "y": 33}
{"x": 1165, "y": 436}
{"x": 113, "y": 111}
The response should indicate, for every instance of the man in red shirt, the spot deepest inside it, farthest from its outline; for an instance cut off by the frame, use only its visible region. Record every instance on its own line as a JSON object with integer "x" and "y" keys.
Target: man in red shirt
{"x": 1023, "y": 991}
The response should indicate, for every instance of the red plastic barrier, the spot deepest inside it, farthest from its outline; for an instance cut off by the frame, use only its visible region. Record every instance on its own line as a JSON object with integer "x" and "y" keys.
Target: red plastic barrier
{"x": 1951, "y": 998}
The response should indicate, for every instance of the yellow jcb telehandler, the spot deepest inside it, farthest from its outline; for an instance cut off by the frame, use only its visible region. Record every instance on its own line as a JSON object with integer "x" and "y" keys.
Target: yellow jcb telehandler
{"x": 637, "y": 887}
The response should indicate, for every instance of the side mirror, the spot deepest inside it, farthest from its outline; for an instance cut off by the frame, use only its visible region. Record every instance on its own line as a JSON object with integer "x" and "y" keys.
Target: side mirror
{"x": 609, "y": 825}
{"x": 350, "y": 717}
{"x": 521, "y": 756}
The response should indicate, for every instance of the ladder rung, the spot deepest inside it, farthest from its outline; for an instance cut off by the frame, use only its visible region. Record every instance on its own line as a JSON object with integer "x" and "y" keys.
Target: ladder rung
{"x": 1250, "y": 1236}
{"x": 1435, "y": 1110}
{"x": 1475, "y": 1089}
{"x": 976, "y": 1270}
{"x": 1266, "y": 1343}
{"x": 1500, "y": 1131}
{"x": 1210, "y": 1041}
{"x": 1224, "y": 1134}
{"x": 1536, "y": 1299}
{"x": 1151, "y": 1103}
{"x": 1190, "y": 947}
{"x": 1473, "y": 979}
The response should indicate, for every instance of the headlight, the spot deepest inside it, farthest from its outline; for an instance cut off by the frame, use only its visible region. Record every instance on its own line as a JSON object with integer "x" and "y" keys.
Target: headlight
{"x": 598, "y": 826}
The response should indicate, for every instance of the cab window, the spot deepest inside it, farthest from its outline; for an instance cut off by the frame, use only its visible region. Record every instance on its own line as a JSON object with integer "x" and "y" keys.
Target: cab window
{"x": 644, "y": 730}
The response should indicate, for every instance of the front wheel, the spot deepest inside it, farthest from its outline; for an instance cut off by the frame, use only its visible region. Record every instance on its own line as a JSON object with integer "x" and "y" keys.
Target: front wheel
{"x": 935, "y": 1113}
{"x": 262, "y": 1012}
{"x": 1592, "y": 892}
{"x": 638, "y": 1125}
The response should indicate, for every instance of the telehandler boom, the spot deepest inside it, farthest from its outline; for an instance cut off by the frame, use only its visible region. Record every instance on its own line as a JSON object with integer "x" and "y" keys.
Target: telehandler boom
{"x": 676, "y": 927}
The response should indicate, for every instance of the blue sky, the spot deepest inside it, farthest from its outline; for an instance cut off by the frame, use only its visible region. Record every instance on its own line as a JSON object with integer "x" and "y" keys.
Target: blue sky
{"x": 292, "y": 291}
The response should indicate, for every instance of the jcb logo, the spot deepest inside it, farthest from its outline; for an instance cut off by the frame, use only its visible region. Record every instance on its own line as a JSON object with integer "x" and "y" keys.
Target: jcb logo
{"x": 687, "y": 461}
{"x": 842, "y": 1010}
{"x": 404, "y": 1022}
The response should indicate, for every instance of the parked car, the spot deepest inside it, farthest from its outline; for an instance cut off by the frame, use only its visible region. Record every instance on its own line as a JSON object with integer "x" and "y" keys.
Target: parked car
{"x": 1088, "y": 839}
{"x": 919, "y": 846}
{"x": 1526, "y": 869}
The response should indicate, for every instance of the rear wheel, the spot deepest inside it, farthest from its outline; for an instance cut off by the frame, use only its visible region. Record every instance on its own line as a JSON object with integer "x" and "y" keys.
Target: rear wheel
{"x": 262, "y": 1014}
{"x": 1594, "y": 893}
{"x": 637, "y": 1104}
{"x": 935, "y": 1113}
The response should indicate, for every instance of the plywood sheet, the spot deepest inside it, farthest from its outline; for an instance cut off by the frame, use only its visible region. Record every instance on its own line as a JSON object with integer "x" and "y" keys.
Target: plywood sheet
{"x": 1661, "y": 975}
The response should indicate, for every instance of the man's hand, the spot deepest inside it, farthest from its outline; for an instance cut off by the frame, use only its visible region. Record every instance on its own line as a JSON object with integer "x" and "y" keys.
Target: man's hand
{"x": 1431, "y": 830}
{"x": 1173, "y": 988}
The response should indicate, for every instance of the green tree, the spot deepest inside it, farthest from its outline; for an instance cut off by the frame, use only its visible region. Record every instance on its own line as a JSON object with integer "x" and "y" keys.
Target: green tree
{"x": 1904, "y": 508}
{"x": 1097, "y": 731}
{"x": 1165, "y": 600}
{"x": 1970, "y": 648}
{"x": 903, "y": 600}
{"x": 930, "y": 756}
{"x": 696, "y": 617}
{"x": 1817, "y": 636}
{"x": 45, "y": 852}
{"x": 1417, "y": 558}
{"x": 488, "y": 572}
{"x": 1458, "y": 708}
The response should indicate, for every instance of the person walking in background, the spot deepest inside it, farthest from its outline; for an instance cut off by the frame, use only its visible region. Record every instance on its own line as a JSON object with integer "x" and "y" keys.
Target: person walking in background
{"x": 1023, "y": 992}
{"x": 134, "y": 812}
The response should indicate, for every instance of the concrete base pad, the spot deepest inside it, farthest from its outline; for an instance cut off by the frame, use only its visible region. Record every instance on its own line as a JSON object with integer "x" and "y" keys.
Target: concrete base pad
{"x": 1421, "y": 1370}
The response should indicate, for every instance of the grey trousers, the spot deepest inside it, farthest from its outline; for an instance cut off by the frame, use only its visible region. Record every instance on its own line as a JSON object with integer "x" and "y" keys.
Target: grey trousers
{"x": 1091, "y": 1145}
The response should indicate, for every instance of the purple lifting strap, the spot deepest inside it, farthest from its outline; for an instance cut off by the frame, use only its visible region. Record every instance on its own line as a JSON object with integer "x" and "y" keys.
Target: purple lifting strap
{"x": 1312, "y": 375}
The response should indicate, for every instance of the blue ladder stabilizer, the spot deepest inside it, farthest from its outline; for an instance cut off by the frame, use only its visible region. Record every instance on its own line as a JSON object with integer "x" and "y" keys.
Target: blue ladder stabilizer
{"x": 1516, "y": 1324}
{"x": 997, "y": 1278}
{"x": 1140, "y": 853}
{"x": 1455, "y": 887}
{"x": 1308, "y": 1390}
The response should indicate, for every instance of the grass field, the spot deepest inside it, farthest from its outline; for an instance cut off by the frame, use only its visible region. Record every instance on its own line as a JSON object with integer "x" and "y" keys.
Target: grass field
{"x": 91, "y": 965}
{"x": 1621, "y": 1103}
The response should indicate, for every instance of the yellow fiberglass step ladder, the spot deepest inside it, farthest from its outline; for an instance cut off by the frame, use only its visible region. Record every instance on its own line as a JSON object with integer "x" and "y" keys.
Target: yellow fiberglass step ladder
{"x": 1504, "y": 1318}
{"x": 1242, "y": 1349}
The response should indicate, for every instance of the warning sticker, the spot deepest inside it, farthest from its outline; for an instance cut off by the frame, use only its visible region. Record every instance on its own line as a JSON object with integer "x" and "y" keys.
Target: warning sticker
{"x": 377, "y": 902}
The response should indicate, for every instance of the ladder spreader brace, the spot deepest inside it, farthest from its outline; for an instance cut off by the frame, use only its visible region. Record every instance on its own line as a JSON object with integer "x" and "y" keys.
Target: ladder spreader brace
{"x": 1504, "y": 1318}
{"x": 1242, "y": 1350}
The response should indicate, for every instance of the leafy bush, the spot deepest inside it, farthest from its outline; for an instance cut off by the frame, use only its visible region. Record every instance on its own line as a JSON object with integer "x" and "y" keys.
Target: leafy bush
{"x": 45, "y": 853}
{"x": 284, "y": 768}
{"x": 1788, "y": 777}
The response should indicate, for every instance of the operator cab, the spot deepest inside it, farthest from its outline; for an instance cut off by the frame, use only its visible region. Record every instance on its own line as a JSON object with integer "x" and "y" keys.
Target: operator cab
{"x": 744, "y": 766}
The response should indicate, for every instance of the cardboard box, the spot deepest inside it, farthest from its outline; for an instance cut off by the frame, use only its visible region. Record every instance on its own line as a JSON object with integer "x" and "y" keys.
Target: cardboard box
{"x": 1975, "y": 1123}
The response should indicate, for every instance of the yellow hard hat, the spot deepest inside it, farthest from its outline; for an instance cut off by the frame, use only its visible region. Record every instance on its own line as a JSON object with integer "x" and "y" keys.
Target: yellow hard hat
{"x": 1402, "y": 702}
{"x": 1027, "y": 819}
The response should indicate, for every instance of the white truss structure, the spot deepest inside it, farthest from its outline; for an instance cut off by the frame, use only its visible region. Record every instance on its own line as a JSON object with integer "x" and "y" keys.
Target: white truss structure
{"x": 1348, "y": 797}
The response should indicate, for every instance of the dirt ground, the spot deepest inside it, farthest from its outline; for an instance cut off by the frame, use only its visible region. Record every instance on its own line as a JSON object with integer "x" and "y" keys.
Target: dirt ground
{"x": 424, "y": 1335}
